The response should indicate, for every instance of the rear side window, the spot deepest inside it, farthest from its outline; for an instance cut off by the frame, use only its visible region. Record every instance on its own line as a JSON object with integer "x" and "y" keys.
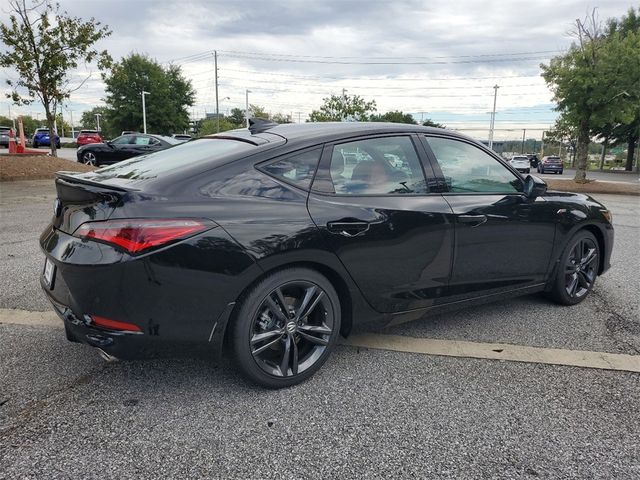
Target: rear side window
{"x": 377, "y": 166}
{"x": 182, "y": 155}
{"x": 297, "y": 169}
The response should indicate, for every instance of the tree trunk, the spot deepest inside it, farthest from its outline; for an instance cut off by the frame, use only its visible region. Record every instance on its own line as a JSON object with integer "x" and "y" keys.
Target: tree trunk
{"x": 52, "y": 132}
{"x": 582, "y": 154}
{"x": 631, "y": 150}
{"x": 604, "y": 152}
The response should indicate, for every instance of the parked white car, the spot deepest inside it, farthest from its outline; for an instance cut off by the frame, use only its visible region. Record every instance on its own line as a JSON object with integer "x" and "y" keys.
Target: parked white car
{"x": 520, "y": 163}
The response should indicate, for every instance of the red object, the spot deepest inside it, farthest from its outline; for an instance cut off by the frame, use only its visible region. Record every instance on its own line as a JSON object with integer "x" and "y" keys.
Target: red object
{"x": 114, "y": 324}
{"x": 13, "y": 148}
{"x": 85, "y": 138}
{"x": 136, "y": 235}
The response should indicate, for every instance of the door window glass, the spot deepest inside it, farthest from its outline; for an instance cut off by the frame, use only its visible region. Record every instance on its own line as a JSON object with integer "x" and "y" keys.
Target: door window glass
{"x": 377, "y": 166}
{"x": 142, "y": 140}
{"x": 297, "y": 169}
{"x": 123, "y": 140}
{"x": 466, "y": 168}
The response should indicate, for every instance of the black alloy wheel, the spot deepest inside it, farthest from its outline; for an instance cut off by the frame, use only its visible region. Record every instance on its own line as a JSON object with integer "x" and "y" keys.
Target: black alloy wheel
{"x": 577, "y": 270}
{"x": 286, "y": 328}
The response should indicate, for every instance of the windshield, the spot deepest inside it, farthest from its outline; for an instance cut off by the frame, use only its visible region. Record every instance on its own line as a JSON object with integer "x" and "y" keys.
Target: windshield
{"x": 209, "y": 150}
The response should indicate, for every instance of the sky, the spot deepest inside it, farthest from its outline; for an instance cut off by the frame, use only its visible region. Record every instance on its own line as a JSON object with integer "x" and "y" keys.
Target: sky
{"x": 432, "y": 58}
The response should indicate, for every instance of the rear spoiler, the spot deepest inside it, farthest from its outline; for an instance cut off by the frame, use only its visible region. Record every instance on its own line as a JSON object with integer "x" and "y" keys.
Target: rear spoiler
{"x": 73, "y": 177}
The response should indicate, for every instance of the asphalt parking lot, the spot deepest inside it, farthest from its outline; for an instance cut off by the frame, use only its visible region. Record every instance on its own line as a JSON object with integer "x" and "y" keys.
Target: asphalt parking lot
{"x": 375, "y": 413}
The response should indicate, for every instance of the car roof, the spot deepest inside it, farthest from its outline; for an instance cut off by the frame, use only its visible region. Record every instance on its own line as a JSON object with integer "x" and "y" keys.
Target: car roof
{"x": 328, "y": 131}
{"x": 88, "y": 131}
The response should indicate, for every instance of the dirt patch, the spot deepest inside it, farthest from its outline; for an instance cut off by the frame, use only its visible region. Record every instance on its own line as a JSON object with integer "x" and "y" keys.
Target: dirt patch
{"x": 594, "y": 186}
{"x": 37, "y": 167}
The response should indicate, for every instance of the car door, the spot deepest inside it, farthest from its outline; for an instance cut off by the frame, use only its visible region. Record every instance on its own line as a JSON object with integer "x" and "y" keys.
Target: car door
{"x": 118, "y": 149}
{"x": 503, "y": 239}
{"x": 373, "y": 205}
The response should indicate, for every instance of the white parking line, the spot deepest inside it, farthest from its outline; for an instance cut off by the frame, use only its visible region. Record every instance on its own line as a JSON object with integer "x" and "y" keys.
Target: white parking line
{"x": 25, "y": 317}
{"x": 498, "y": 351}
{"x": 425, "y": 346}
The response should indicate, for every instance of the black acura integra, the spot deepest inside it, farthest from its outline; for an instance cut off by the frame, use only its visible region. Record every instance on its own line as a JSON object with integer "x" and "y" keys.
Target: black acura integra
{"x": 275, "y": 240}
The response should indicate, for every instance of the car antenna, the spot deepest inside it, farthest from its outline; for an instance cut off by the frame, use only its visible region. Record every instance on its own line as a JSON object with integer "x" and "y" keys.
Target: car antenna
{"x": 259, "y": 125}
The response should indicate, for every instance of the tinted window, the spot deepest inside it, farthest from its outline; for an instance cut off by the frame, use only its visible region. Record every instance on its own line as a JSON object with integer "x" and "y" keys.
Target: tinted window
{"x": 466, "y": 168}
{"x": 377, "y": 166}
{"x": 155, "y": 164}
{"x": 124, "y": 140}
{"x": 297, "y": 169}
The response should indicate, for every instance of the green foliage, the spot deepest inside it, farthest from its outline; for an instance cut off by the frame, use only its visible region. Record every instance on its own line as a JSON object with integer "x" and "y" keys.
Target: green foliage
{"x": 281, "y": 118}
{"x": 339, "y": 108}
{"x": 5, "y": 121}
{"x": 43, "y": 45}
{"x": 396, "y": 116}
{"x": 88, "y": 121}
{"x": 430, "y": 123}
{"x": 594, "y": 84}
{"x": 209, "y": 126}
{"x": 237, "y": 116}
{"x": 258, "y": 111}
{"x": 166, "y": 105}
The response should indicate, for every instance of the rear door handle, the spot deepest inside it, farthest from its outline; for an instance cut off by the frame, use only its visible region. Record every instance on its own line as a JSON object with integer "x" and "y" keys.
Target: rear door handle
{"x": 474, "y": 220}
{"x": 348, "y": 229}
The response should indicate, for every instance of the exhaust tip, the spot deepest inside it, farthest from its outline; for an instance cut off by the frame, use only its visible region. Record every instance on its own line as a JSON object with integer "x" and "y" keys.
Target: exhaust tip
{"x": 106, "y": 357}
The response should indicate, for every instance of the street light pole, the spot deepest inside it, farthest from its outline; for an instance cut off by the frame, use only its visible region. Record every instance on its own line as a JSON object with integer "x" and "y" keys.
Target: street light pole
{"x": 493, "y": 115}
{"x": 144, "y": 112}
{"x": 98, "y": 115}
{"x": 215, "y": 66}
{"x": 246, "y": 106}
{"x": 73, "y": 132}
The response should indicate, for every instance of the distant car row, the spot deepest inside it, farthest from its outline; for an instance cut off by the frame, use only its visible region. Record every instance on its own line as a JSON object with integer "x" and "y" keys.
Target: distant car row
{"x": 548, "y": 164}
{"x": 123, "y": 147}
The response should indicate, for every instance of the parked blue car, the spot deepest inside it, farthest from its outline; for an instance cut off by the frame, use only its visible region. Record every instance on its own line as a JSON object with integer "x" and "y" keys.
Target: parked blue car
{"x": 41, "y": 137}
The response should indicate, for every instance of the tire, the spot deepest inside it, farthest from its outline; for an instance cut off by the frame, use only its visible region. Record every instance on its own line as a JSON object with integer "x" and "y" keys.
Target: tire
{"x": 265, "y": 360}
{"x": 35, "y": 144}
{"x": 561, "y": 172}
{"x": 90, "y": 158}
{"x": 573, "y": 282}
{"x": 528, "y": 170}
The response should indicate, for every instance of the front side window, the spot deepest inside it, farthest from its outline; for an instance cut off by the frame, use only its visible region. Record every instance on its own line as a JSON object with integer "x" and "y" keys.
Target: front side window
{"x": 377, "y": 166}
{"x": 467, "y": 169}
{"x": 297, "y": 169}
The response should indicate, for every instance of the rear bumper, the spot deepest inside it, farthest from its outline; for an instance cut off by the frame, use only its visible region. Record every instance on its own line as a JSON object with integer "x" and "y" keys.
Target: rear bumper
{"x": 551, "y": 168}
{"x": 178, "y": 297}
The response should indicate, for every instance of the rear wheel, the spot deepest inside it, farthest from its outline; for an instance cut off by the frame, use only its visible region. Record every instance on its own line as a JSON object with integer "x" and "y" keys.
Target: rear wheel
{"x": 577, "y": 271}
{"x": 286, "y": 327}
{"x": 35, "y": 144}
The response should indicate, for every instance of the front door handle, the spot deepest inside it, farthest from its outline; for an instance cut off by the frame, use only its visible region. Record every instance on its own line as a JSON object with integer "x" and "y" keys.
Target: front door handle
{"x": 474, "y": 220}
{"x": 348, "y": 229}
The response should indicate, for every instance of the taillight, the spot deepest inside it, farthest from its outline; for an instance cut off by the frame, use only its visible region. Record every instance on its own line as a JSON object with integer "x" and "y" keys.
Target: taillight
{"x": 137, "y": 235}
{"x": 109, "y": 324}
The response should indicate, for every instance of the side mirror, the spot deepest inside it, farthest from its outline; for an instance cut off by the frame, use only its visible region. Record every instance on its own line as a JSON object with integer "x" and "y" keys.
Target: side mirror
{"x": 534, "y": 186}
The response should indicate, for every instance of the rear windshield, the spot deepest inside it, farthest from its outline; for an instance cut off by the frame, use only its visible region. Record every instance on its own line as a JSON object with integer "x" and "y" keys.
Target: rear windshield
{"x": 521, "y": 158}
{"x": 88, "y": 131}
{"x": 208, "y": 150}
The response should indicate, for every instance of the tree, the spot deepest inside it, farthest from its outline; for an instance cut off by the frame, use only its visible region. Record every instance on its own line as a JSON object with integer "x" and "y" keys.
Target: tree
{"x": 626, "y": 28}
{"x": 395, "y": 116}
{"x": 281, "y": 118}
{"x": 237, "y": 116}
{"x": 166, "y": 105}
{"x": 430, "y": 123}
{"x": 338, "y": 108}
{"x": 590, "y": 84}
{"x": 258, "y": 112}
{"x": 43, "y": 45}
{"x": 89, "y": 121}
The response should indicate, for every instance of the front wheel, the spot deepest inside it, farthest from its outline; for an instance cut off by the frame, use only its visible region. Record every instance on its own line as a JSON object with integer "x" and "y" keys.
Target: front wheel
{"x": 35, "y": 144}
{"x": 89, "y": 158}
{"x": 286, "y": 327}
{"x": 577, "y": 269}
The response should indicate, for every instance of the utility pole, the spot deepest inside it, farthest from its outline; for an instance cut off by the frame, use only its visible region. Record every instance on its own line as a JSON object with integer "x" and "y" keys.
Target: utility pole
{"x": 12, "y": 119}
{"x": 524, "y": 132}
{"x": 73, "y": 132}
{"x": 542, "y": 146}
{"x": 299, "y": 120}
{"x": 246, "y": 105}
{"x": 215, "y": 66}
{"x": 144, "y": 112}
{"x": 493, "y": 115}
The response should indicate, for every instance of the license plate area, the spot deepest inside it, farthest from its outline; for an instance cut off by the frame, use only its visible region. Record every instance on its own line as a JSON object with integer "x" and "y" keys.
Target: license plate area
{"x": 49, "y": 272}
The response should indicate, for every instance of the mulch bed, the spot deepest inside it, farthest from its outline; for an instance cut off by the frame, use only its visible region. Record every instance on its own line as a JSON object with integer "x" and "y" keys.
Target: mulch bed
{"x": 37, "y": 167}
{"x": 594, "y": 186}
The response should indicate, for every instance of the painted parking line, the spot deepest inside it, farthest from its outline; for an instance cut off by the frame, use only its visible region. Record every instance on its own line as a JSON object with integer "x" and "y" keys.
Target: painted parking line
{"x": 25, "y": 317}
{"x": 425, "y": 346}
{"x": 497, "y": 351}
